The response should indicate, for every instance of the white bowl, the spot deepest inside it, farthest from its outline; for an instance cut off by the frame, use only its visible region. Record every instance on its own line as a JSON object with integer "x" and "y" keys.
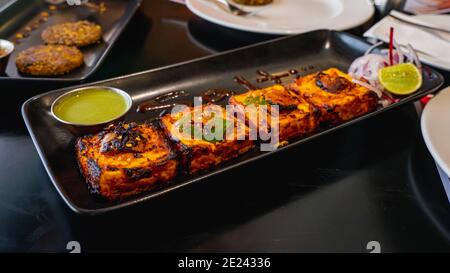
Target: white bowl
{"x": 9, "y": 47}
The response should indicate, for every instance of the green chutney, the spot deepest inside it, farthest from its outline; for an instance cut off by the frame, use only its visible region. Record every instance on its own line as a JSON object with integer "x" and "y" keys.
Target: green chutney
{"x": 90, "y": 106}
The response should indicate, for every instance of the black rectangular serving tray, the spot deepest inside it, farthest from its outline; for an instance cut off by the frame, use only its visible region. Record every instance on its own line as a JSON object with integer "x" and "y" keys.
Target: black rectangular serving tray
{"x": 22, "y": 13}
{"x": 307, "y": 53}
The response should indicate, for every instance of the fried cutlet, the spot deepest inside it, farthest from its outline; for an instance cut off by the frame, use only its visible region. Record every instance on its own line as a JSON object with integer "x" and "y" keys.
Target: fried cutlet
{"x": 126, "y": 159}
{"x": 200, "y": 149}
{"x": 338, "y": 98}
{"x": 79, "y": 34}
{"x": 49, "y": 60}
{"x": 296, "y": 116}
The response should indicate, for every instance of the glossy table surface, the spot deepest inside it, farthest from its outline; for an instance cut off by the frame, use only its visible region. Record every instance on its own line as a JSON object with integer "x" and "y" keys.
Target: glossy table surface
{"x": 371, "y": 182}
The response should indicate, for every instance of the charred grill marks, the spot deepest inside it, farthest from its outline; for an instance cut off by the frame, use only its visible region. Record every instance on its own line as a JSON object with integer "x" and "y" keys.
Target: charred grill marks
{"x": 94, "y": 170}
{"x": 332, "y": 84}
{"x": 122, "y": 138}
{"x": 120, "y": 173}
{"x": 135, "y": 174}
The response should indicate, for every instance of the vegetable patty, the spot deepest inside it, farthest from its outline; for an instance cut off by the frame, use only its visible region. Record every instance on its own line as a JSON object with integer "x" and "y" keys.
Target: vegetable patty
{"x": 49, "y": 60}
{"x": 79, "y": 34}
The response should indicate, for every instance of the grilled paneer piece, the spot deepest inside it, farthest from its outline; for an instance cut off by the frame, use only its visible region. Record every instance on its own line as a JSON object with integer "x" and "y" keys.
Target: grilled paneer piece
{"x": 296, "y": 116}
{"x": 338, "y": 98}
{"x": 206, "y": 136}
{"x": 126, "y": 159}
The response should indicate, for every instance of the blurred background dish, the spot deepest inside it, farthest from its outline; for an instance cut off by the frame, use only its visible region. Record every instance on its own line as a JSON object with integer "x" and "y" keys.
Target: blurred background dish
{"x": 79, "y": 34}
{"x": 49, "y": 60}
{"x": 436, "y": 130}
{"x": 23, "y": 23}
{"x": 289, "y": 16}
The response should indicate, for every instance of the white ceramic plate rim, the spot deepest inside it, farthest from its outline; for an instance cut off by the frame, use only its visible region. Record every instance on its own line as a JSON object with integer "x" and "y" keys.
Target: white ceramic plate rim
{"x": 430, "y": 135}
{"x": 354, "y": 13}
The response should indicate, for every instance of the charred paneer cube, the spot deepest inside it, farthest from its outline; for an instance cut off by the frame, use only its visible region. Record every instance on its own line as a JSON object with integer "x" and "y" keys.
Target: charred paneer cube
{"x": 296, "y": 117}
{"x": 126, "y": 159}
{"x": 205, "y": 136}
{"x": 338, "y": 98}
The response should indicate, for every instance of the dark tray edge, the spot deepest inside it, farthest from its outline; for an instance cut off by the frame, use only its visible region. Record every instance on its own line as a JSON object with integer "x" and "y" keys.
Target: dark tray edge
{"x": 93, "y": 212}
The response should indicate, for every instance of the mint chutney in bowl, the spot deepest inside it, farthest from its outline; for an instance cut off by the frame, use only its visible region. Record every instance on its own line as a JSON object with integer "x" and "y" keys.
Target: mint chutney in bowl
{"x": 91, "y": 109}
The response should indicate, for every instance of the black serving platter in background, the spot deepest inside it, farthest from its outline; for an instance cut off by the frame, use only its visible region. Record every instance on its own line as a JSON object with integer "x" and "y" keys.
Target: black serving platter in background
{"x": 307, "y": 53}
{"x": 21, "y": 14}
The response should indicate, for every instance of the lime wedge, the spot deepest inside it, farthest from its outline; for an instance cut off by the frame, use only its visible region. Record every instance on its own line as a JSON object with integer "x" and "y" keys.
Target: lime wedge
{"x": 401, "y": 79}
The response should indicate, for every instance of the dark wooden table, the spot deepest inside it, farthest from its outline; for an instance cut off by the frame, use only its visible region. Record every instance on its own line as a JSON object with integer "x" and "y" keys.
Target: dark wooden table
{"x": 372, "y": 182}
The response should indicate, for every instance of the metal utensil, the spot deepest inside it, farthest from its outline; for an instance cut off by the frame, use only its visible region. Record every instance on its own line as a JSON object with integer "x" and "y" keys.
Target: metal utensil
{"x": 234, "y": 9}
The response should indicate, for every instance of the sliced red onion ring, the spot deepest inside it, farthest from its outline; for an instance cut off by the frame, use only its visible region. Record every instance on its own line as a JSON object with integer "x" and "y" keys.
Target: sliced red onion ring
{"x": 364, "y": 70}
{"x": 414, "y": 56}
{"x": 399, "y": 52}
{"x": 368, "y": 66}
{"x": 372, "y": 48}
{"x": 370, "y": 87}
{"x": 397, "y": 56}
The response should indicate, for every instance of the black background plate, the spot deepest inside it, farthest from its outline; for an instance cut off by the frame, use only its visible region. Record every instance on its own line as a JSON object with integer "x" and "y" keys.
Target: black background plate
{"x": 22, "y": 13}
{"x": 307, "y": 53}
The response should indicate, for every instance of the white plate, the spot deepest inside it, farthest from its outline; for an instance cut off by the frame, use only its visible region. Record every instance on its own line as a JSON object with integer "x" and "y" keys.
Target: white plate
{"x": 436, "y": 129}
{"x": 442, "y": 20}
{"x": 290, "y": 16}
